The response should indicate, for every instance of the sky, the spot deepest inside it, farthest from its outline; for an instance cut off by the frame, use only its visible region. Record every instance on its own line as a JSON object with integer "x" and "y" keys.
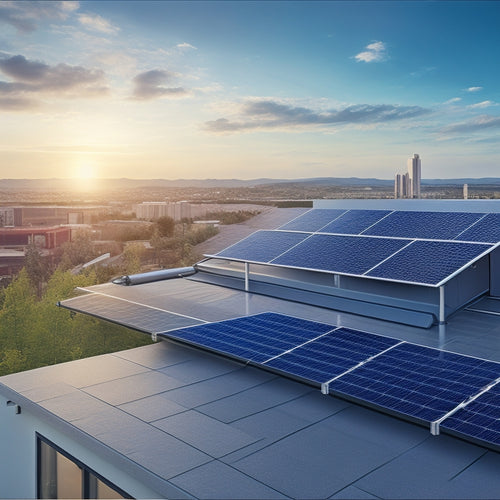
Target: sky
{"x": 235, "y": 89}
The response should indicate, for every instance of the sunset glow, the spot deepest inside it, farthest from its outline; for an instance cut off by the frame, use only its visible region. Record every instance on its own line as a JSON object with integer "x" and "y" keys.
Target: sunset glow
{"x": 282, "y": 89}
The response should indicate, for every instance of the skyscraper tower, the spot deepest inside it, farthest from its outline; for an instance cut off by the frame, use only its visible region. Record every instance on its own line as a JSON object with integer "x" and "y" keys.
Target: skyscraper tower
{"x": 414, "y": 174}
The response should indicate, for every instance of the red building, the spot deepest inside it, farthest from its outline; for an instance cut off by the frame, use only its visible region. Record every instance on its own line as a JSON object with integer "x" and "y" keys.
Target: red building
{"x": 44, "y": 237}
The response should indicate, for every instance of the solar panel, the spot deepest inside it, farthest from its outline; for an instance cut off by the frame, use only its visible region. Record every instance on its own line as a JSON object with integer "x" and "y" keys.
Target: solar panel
{"x": 252, "y": 338}
{"x": 426, "y": 225}
{"x": 330, "y": 355}
{"x": 313, "y": 220}
{"x": 341, "y": 254}
{"x": 428, "y": 262}
{"x": 479, "y": 420}
{"x": 354, "y": 221}
{"x": 486, "y": 230}
{"x": 419, "y": 382}
{"x": 262, "y": 246}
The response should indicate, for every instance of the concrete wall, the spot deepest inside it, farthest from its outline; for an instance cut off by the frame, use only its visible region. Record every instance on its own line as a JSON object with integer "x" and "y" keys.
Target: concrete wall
{"x": 18, "y": 455}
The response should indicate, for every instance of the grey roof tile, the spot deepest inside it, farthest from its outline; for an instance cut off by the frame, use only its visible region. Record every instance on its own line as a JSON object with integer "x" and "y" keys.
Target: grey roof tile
{"x": 152, "y": 408}
{"x": 221, "y": 482}
{"x": 134, "y": 387}
{"x": 205, "y": 433}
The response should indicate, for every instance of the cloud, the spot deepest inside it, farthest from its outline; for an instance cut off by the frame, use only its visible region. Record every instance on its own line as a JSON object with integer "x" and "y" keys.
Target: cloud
{"x": 185, "y": 45}
{"x": 483, "y": 104}
{"x": 151, "y": 85}
{"x": 25, "y": 15}
{"x": 375, "y": 52}
{"x": 453, "y": 100}
{"x": 32, "y": 80}
{"x": 479, "y": 123}
{"x": 269, "y": 114}
{"x": 474, "y": 89}
{"x": 95, "y": 22}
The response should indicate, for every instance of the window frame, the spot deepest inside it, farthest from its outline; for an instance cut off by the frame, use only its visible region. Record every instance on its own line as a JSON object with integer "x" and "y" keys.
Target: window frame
{"x": 85, "y": 470}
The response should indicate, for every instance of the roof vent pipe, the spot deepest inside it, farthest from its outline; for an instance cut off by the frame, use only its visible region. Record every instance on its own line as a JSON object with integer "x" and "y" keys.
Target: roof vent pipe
{"x": 163, "y": 274}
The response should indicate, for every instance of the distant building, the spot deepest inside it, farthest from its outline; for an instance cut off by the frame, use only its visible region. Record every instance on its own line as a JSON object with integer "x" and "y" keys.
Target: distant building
{"x": 414, "y": 173}
{"x": 466, "y": 191}
{"x": 408, "y": 185}
{"x": 44, "y": 237}
{"x": 150, "y": 210}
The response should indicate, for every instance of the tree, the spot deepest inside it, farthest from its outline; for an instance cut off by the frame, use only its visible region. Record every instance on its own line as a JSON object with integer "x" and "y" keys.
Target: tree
{"x": 165, "y": 226}
{"x": 36, "y": 267}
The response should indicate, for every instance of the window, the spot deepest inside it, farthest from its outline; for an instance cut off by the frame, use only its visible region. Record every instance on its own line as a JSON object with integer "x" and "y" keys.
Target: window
{"x": 59, "y": 475}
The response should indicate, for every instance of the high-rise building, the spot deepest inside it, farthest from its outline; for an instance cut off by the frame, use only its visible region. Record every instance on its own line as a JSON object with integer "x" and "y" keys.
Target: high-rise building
{"x": 414, "y": 173}
{"x": 407, "y": 185}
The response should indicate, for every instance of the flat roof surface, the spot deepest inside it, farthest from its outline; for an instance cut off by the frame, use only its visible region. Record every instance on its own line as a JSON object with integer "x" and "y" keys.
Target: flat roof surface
{"x": 196, "y": 424}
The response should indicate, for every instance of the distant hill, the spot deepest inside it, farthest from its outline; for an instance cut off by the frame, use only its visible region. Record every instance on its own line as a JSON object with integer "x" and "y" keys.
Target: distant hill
{"x": 125, "y": 184}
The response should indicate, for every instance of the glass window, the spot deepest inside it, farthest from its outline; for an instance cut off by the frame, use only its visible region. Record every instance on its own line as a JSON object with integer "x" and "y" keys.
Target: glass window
{"x": 62, "y": 476}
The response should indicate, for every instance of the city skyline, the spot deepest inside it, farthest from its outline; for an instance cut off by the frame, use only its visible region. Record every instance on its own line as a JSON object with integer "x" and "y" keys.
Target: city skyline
{"x": 248, "y": 89}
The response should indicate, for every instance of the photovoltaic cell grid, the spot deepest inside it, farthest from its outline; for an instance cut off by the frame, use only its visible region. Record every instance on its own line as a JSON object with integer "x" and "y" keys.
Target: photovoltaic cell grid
{"x": 252, "y": 338}
{"x": 429, "y": 262}
{"x": 462, "y": 226}
{"x": 415, "y": 382}
{"x": 263, "y": 246}
{"x": 487, "y": 229}
{"x": 340, "y": 254}
{"x": 354, "y": 221}
{"x": 313, "y": 220}
{"x": 331, "y": 355}
{"x": 431, "y": 225}
{"x": 426, "y": 262}
{"x": 480, "y": 419}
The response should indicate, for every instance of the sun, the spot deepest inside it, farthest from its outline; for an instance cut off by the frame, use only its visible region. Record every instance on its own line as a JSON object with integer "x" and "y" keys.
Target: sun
{"x": 83, "y": 171}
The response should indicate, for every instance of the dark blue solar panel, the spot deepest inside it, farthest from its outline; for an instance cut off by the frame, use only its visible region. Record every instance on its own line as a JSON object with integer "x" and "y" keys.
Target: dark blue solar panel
{"x": 354, "y": 221}
{"x": 341, "y": 254}
{"x": 480, "y": 419}
{"x": 416, "y": 381}
{"x": 427, "y": 225}
{"x": 255, "y": 338}
{"x": 313, "y": 220}
{"x": 428, "y": 262}
{"x": 262, "y": 246}
{"x": 331, "y": 355}
{"x": 486, "y": 230}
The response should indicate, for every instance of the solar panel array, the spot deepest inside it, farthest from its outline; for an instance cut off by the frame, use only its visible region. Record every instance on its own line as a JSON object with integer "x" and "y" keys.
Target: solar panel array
{"x": 421, "y": 384}
{"x": 425, "y": 248}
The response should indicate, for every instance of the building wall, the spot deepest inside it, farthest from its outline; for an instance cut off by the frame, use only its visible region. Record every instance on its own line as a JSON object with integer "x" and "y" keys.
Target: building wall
{"x": 18, "y": 456}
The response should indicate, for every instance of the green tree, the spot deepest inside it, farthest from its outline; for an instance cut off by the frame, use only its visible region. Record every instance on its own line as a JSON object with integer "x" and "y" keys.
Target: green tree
{"x": 165, "y": 226}
{"x": 37, "y": 268}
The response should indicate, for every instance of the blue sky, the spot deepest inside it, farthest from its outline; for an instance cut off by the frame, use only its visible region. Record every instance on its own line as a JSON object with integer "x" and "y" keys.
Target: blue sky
{"x": 248, "y": 89}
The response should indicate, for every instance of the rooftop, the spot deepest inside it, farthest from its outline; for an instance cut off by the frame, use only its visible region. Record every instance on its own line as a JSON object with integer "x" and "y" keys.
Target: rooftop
{"x": 193, "y": 423}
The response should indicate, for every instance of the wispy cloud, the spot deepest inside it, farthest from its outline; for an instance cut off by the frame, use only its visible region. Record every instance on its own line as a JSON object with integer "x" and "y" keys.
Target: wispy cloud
{"x": 375, "y": 52}
{"x": 481, "y": 105}
{"x": 32, "y": 80}
{"x": 453, "y": 100}
{"x": 151, "y": 85}
{"x": 95, "y": 22}
{"x": 186, "y": 46}
{"x": 474, "y": 89}
{"x": 270, "y": 114}
{"x": 25, "y": 15}
{"x": 479, "y": 123}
